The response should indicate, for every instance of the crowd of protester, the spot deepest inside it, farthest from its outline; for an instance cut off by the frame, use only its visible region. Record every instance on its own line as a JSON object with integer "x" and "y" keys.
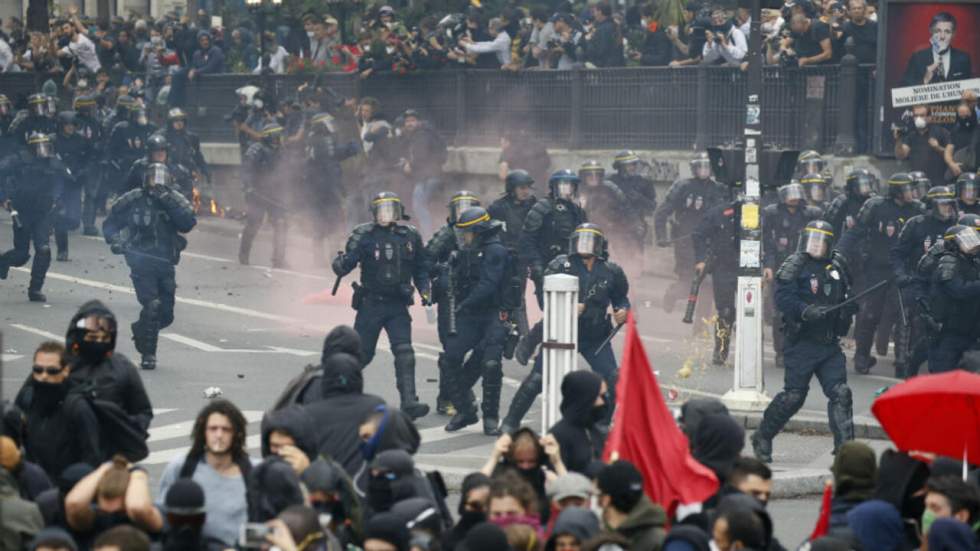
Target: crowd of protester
{"x": 145, "y": 52}
{"x": 336, "y": 471}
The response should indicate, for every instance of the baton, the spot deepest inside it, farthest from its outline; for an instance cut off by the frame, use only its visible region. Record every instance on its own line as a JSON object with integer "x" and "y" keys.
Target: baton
{"x": 608, "y": 339}
{"x": 901, "y": 309}
{"x": 336, "y": 283}
{"x": 860, "y": 295}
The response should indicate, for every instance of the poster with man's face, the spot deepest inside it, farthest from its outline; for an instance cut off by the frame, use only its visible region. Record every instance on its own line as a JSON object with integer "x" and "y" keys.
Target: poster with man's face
{"x": 925, "y": 53}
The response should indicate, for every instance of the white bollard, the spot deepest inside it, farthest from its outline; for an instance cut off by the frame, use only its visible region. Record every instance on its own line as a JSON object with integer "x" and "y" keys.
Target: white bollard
{"x": 559, "y": 342}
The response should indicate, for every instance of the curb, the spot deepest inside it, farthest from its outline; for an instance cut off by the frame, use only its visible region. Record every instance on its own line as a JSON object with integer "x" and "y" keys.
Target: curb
{"x": 864, "y": 427}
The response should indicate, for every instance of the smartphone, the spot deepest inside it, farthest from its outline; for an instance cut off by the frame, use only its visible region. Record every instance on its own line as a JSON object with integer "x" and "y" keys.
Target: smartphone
{"x": 252, "y": 535}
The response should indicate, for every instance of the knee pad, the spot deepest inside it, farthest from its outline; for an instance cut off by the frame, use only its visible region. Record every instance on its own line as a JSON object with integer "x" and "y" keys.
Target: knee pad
{"x": 841, "y": 394}
{"x": 795, "y": 398}
{"x": 153, "y": 309}
{"x": 535, "y": 382}
{"x": 493, "y": 372}
{"x": 403, "y": 353}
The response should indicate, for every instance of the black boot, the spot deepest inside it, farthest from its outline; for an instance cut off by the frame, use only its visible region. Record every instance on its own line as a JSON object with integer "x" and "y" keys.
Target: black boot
{"x": 522, "y": 402}
{"x": 145, "y": 335}
{"x": 149, "y": 362}
{"x": 39, "y": 268}
{"x": 458, "y": 385}
{"x": 777, "y": 414}
{"x": 762, "y": 447}
{"x": 61, "y": 243}
{"x": 492, "y": 382}
{"x": 36, "y": 296}
{"x": 863, "y": 364}
{"x": 444, "y": 405}
{"x": 405, "y": 381}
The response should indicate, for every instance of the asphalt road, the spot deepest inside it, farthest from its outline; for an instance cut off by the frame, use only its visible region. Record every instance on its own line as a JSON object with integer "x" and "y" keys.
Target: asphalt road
{"x": 249, "y": 329}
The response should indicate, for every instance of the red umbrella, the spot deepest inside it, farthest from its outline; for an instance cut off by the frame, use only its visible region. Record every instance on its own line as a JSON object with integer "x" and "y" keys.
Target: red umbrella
{"x": 934, "y": 413}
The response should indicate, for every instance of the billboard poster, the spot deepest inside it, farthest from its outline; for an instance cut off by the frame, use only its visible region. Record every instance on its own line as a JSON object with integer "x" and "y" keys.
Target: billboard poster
{"x": 928, "y": 54}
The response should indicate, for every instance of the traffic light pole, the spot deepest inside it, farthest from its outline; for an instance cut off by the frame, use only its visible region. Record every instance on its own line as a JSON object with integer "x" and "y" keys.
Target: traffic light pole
{"x": 748, "y": 390}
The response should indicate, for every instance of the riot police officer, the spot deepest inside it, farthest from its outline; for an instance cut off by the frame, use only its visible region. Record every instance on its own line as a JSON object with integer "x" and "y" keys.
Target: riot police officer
{"x": 782, "y": 223}
{"x": 816, "y": 190}
{"x": 185, "y": 146}
{"x": 640, "y": 191}
{"x": 811, "y": 287}
{"x": 438, "y": 251}
{"x": 687, "y": 202}
{"x": 608, "y": 205}
{"x": 36, "y": 120}
{"x": 324, "y": 180}
{"x": 548, "y": 224}
{"x": 878, "y": 225}
{"x": 75, "y": 152}
{"x": 127, "y": 144}
{"x": 30, "y": 186}
{"x": 158, "y": 151}
{"x": 391, "y": 257}
{"x": 968, "y": 193}
{"x": 263, "y": 195}
{"x": 511, "y": 209}
{"x": 145, "y": 225}
{"x": 479, "y": 272}
{"x": 842, "y": 211}
{"x": 810, "y": 162}
{"x": 955, "y": 298}
{"x": 716, "y": 250}
{"x": 916, "y": 238}
{"x": 602, "y": 284}
{"x": 920, "y": 184}
{"x": 89, "y": 126}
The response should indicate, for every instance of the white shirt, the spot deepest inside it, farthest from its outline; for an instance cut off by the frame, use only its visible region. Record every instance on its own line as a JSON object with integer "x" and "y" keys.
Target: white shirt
{"x": 746, "y": 27}
{"x": 84, "y": 50}
{"x": 499, "y": 46}
{"x": 733, "y": 51}
{"x": 6, "y": 56}
{"x": 277, "y": 61}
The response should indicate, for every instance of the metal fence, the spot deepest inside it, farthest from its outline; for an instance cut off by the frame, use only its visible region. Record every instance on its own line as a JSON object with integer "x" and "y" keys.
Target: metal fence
{"x": 640, "y": 108}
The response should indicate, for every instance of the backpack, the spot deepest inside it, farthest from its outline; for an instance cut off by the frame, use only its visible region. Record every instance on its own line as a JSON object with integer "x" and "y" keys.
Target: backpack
{"x": 294, "y": 388}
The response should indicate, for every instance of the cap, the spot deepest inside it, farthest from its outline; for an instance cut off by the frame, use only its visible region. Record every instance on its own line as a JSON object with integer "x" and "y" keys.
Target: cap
{"x": 386, "y": 10}
{"x": 570, "y": 485}
{"x": 485, "y": 537}
{"x": 387, "y": 527}
{"x": 622, "y": 482}
{"x": 184, "y": 498}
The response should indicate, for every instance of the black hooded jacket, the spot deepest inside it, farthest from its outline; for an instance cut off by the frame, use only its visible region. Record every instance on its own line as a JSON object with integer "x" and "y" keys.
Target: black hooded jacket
{"x": 579, "y": 439}
{"x": 718, "y": 443}
{"x": 343, "y": 407}
{"x": 294, "y": 421}
{"x": 396, "y": 431}
{"x": 306, "y": 387}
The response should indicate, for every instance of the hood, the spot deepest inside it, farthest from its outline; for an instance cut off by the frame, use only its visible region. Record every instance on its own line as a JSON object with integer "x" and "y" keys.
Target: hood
{"x": 398, "y": 433}
{"x": 855, "y": 471}
{"x": 579, "y": 390}
{"x": 693, "y": 536}
{"x": 294, "y": 421}
{"x": 398, "y": 462}
{"x": 53, "y": 535}
{"x": 90, "y": 307}
{"x": 877, "y": 526}
{"x": 900, "y": 477}
{"x": 342, "y": 338}
{"x": 579, "y": 522}
{"x": 342, "y": 375}
{"x": 322, "y": 476}
{"x": 644, "y": 516}
{"x": 718, "y": 443}
{"x": 948, "y": 534}
{"x": 739, "y": 500}
{"x": 693, "y": 411}
{"x": 471, "y": 482}
{"x": 272, "y": 486}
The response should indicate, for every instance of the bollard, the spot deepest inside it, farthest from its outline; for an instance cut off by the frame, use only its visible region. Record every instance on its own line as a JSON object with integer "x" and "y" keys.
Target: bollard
{"x": 559, "y": 342}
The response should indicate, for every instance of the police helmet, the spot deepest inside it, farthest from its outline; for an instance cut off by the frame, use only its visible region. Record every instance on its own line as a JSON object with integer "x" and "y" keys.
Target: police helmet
{"x": 40, "y": 144}
{"x": 816, "y": 238}
{"x": 624, "y": 159}
{"x": 84, "y": 104}
{"x": 587, "y": 240}
{"x": 272, "y": 134}
{"x": 970, "y": 219}
{"x": 156, "y": 174}
{"x": 949, "y": 236}
{"x": 792, "y": 191}
{"x": 967, "y": 240}
{"x": 815, "y": 187}
{"x": 322, "y": 123}
{"x": 517, "y": 178}
{"x": 460, "y": 201}
{"x": 387, "y": 208}
{"x": 861, "y": 183}
{"x": 591, "y": 171}
{"x": 37, "y": 104}
{"x": 920, "y": 184}
{"x": 472, "y": 223}
{"x": 4, "y": 105}
{"x": 966, "y": 188}
{"x": 176, "y": 114}
{"x": 900, "y": 186}
{"x": 810, "y": 162}
{"x": 563, "y": 184}
{"x": 156, "y": 142}
{"x": 701, "y": 166}
{"x": 942, "y": 202}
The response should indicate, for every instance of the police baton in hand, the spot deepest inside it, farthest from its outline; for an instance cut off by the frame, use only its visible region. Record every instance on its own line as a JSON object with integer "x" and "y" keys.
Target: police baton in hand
{"x": 608, "y": 339}
{"x": 859, "y": 296}
{"x": 336, "y": 283}
{"x": 692, "y": 296}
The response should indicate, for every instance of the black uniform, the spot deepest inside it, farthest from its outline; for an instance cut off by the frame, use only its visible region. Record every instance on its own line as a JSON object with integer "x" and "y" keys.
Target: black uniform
{"x": 145, "y": 225}
{"x": 33, "y": 186}
{"x": 955, "y": 300}
{"x": 76, "y": 153}
{"x": 391, "y": 258}
{"x": 842, "y": 213}
{"x": 27, "y": 124}
{"x": 781, "y": 226}
{"x": 641, "y": 197}
{"x": 90, "y": 174}
{"x": 609, "y": 207}
{"x": 547, "y": 227}
{"x": 324, "y": 187}
{"x": 512, "y": 213}
{"x": 686, "y": 204}
{"x": 878, "y": 226}
{"x": 603, "y": 286}
{"x": 716, "y": 244}
{"x": 918, "y": 236}
{"x": 805, "y": 286}
{"x": 264, "y": 195}
{"x": 127, "y": 144}
{"x": 185, "y": 150}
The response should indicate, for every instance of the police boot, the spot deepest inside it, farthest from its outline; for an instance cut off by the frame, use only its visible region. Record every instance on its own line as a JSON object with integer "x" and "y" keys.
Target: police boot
{"x": 522, "y": 402}
{"x": 526, "y": 346}
{"x": 444, "y": 406}
{"x": 840, "y": 414}
{"x": 762, "y": 447}
{"x": 42, "y": 260}
{"x": 492, "y": 382}
{"x": 405, "y": 381}
{"x": 863, "y": 363}
{"x": 245, "y": 247}
{"x": 145, "y": 340}
{"x": 722, "y": 339}
{"x": 777, "y": 414}
{"x": 61, "y": 242}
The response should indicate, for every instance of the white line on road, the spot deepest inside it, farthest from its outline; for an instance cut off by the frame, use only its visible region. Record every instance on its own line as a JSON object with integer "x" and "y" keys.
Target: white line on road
{"x": 432, "y": 435}
{"x": 10, "y": 357}
{"x": 39, "y": 332}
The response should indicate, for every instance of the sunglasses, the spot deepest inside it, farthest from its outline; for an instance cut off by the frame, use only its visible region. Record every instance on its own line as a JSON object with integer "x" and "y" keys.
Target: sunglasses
{"x": 38, "y": 369}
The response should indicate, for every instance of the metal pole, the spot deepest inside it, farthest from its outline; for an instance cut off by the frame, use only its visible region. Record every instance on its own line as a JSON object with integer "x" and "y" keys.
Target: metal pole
{"x": 559, "y": 342}
{"x": 747, "y": 392}
{"x": 847, "y": 100}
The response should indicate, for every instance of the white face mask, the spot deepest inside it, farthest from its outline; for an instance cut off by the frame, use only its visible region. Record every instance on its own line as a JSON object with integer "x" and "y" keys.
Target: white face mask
{"x": 920, "y": 122}
{"x": 310, "y": 34}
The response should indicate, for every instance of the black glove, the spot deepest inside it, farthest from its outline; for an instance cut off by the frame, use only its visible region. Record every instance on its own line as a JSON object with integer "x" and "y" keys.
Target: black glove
{"x": 814, "y": 313}
{"x": 116, "y": 248}
{"x": 904, "y": 281}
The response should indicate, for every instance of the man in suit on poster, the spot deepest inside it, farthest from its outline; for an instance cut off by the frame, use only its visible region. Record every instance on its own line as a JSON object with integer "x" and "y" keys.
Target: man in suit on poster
{"x": 939, "y": 62}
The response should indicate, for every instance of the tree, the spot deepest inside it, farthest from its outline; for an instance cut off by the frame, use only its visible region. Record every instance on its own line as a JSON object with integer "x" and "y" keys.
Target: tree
{"x": 37, "y": 16}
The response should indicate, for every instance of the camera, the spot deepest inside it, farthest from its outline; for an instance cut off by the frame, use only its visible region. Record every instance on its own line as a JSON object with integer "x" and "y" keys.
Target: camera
{"x": 253, "y": 535}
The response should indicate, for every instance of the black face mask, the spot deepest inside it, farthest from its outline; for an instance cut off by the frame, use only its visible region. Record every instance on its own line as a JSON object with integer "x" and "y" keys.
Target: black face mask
{"x": 472, "y": 518}
{"x": 47, "y": 396}
{"x": 333, "y": 508}
{"x": 93, "y": 352}
{"x": 599, "y": 413}
{"x": 379, "y": 493}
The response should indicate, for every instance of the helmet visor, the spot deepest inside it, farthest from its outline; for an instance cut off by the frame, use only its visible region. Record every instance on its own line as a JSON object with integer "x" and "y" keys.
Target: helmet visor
{"x": 968, "y": 240}
{"x": 591, "y": 177}
{"x": 816, "y": 191}
{"x": 98, "y": 328}
{"x": 565, "y": 189}
{"x": 38, "y": 107}
{"x": 460, "y": 204}
{"x": 944, "y": 209}
{"x": 816, "y": 242}
{"x": 43, "y": 149}
{"x": 701, "y": 168}
{"x": 464, "y": 237}
{"x": 156, "y": 175}
{"x": 791, "y": 192}
{"x": 813, "y": 166}
{"x": 968, "y": 190}
{"x": 586, "y": 242}
{"x": 863, "y": 186}
{"x": 387, "y": 212}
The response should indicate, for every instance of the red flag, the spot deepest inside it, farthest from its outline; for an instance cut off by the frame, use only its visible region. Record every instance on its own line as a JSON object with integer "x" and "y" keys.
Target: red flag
{"x": 644, "y": 433}
{"x": 823, "y": 521}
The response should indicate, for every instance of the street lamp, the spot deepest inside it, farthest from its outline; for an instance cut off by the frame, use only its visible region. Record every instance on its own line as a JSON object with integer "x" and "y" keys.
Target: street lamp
{"x": 259, "y": 9}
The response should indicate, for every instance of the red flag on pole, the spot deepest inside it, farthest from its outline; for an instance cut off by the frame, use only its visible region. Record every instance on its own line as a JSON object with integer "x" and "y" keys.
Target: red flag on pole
{"x": 644, "y": 433}
{"x": 823, "y": 521}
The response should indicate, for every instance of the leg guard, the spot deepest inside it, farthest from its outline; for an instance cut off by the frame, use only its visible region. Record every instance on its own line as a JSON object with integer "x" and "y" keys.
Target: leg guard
{"x": 841, "y": 415}
{"x": 523, "y": 400}
{"x": 493, "y": 376}
{"x": 405, "y": 381}
{"x": 780, "y": 411}
{"x": 39, "y": 269}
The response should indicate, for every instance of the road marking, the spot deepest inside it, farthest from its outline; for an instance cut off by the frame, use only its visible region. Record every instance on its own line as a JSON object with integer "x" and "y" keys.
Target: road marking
{"x": 432, "y": 435}
{"x": 205, "y": 347}
{"x": 10, "y": 357}
{"x": 207, "y": 257}
{"x": 39, "y": 332}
